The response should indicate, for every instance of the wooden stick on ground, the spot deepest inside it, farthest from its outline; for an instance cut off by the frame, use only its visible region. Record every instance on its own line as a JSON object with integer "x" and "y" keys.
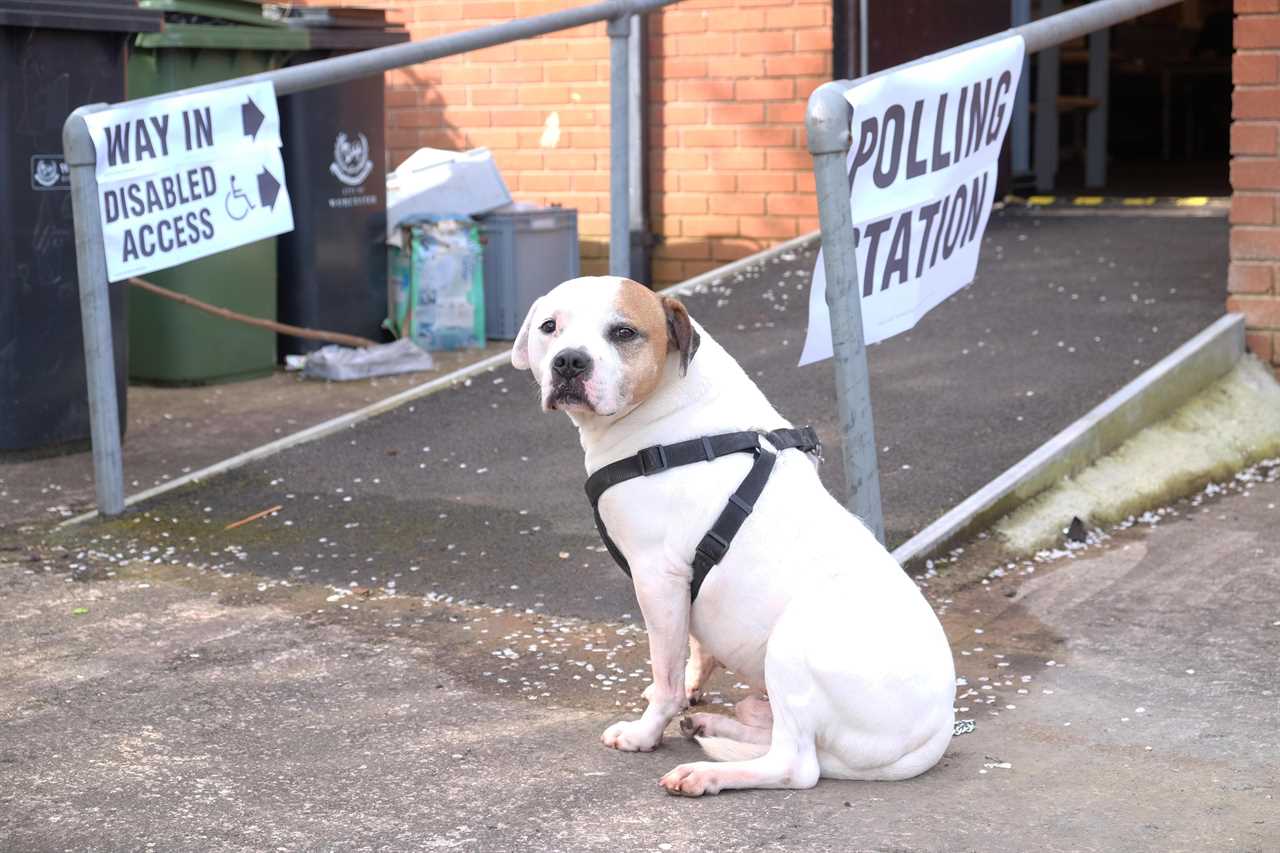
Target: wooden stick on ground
{"x": 282, "y": 328}
{"x": 257, "y": 515}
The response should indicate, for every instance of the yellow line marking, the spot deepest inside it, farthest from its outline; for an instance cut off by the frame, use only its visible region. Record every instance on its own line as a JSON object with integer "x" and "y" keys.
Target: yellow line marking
{"x": 1139, "y": 201}
{"x": 1041, "y": 199}
{"x": 1087, "y": 200}
{"x": 1192, "y": 201}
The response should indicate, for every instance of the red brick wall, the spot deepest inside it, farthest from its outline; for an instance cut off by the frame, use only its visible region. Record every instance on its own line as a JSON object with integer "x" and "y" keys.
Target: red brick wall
{"x": 728, "y": 81}
{"x": 1254, "y": 279}
{"x": 729, "y": 170}
{"x": 511, "y": 98}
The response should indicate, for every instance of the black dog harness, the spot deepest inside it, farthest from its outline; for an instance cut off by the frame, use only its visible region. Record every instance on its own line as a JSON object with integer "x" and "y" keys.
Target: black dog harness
{"x": 660, "y": 457}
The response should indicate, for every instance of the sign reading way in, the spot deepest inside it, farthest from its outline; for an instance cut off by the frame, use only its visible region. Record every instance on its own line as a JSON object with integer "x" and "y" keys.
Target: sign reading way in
{"x": 189, "y": 176}
{"x": 922, "y": 176}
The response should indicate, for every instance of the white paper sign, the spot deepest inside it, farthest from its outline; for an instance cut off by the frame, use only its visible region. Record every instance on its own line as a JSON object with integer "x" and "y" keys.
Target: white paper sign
{"x": 185, "y": 177}
{"x": 926, "y": 141}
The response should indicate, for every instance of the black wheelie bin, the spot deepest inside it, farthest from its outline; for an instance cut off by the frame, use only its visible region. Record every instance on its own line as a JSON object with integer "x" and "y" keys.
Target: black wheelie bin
{"x": 54, "y": 57}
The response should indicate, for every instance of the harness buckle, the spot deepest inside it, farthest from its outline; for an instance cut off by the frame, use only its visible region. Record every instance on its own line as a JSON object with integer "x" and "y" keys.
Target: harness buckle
{"x": 711, "y": 549}
{"x": 653, "y": 459}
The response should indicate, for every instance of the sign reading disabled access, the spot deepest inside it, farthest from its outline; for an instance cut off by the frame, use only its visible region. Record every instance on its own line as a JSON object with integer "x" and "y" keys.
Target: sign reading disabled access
{"x": 922, "y": 177}
{"x": 189, "y": 176}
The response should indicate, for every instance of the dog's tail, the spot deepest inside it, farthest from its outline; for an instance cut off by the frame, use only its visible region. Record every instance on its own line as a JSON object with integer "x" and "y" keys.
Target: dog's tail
{"x": 726, "y": 749}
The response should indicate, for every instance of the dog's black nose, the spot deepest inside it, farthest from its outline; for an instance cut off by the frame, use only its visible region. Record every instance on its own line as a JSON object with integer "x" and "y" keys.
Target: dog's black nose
{"x": 570, "y": 363}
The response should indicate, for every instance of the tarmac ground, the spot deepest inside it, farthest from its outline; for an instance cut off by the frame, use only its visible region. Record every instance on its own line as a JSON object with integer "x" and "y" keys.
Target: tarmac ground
{"x": 1068, "y": 306}
{"x": 474, "y": 490}
{"x": 420, "y": 648}
{"x": 1125, "y": 697}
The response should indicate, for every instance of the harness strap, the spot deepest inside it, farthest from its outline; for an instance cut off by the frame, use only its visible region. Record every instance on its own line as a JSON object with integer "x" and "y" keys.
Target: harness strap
{"x": 660, "y": 457}
{"x": 715, "y": 544}
{"x": 653, "y": 460}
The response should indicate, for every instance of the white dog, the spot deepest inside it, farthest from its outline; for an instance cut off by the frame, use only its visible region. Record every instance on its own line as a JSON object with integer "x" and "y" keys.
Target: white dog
{"x": 859, "y": 676}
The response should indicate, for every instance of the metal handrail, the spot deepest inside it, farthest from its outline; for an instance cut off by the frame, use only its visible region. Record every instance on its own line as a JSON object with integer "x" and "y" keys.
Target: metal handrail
{"x": 827, "y": 122}
{"x": 95, "y": 314}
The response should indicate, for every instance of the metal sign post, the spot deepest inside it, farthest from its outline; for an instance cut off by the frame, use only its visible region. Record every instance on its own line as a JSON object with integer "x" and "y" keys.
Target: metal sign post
{"x": 82, "y": 159}
{"x": 828, "y": 140}
{"x": 827, "y": 121}
{"x": 95, "y": 313}
{"x": 619, "y": 30}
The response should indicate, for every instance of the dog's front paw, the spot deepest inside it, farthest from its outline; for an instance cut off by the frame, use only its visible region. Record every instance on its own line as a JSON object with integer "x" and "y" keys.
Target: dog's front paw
{"x": 631, "y": 736}
{"x": 692, "y": 780}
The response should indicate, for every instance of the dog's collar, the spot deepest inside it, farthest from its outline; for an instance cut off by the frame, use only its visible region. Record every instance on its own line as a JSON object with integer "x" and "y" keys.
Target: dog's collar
{"x": 660, "y": 457}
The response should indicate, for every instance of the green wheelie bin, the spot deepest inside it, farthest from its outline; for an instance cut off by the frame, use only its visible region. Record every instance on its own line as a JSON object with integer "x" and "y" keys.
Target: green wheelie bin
{"x": 205, "y": 41}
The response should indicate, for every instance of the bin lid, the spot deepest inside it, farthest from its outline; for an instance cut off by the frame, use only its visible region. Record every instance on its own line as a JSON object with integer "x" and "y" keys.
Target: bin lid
{"x": 100, "y": 15}
{"x": 332, "y": 16}
{"x": 239, "y": 11}
{"x": 196, "y": 36}
{"x": 219, "y": 24}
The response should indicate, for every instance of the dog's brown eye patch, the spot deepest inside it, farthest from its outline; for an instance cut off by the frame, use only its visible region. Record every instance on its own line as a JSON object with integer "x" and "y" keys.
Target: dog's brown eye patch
{"x": 548, "y": 326}
{"x": 623, "y": 334}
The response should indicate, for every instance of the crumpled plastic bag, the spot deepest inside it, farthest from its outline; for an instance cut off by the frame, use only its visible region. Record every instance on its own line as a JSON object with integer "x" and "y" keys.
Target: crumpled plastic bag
{"x": 341, "y": 363}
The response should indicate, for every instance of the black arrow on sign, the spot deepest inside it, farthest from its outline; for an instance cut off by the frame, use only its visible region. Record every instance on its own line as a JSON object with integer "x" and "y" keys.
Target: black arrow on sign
{"x": 252, "y": 117}
{"x": 268, "y": 189}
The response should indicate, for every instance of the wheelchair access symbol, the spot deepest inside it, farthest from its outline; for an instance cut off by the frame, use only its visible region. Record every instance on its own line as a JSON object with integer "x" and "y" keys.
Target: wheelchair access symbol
{"x": 238, "y": 203}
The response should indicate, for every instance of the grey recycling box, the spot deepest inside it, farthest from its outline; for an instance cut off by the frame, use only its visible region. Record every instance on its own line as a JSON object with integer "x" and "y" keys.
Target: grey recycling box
{"x": 528, "y": 250}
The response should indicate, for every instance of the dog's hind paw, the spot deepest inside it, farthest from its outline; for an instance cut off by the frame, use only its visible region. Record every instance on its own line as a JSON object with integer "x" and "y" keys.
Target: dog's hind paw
{"x": 689, "y": 728}
{"x": 691, "y": 780}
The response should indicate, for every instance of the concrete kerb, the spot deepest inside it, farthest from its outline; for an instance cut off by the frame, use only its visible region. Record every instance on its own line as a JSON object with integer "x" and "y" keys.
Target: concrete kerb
{"x": 1153, "y": 395}
{"x": 409, "y": 395}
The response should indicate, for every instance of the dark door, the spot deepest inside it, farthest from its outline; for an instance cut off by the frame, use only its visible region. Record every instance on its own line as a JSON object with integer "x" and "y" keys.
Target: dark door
{"x": 898, "y": 32}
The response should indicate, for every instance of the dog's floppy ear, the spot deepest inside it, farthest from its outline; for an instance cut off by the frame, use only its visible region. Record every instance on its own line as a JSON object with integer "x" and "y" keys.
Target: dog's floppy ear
{"x": 520, "y": 349}
{"x": 681, "y": 335}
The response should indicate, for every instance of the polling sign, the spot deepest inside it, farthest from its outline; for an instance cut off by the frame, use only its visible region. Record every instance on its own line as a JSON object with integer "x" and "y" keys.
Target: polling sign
{"x": 189, "y": 176}
{"x": 922, "y": 176}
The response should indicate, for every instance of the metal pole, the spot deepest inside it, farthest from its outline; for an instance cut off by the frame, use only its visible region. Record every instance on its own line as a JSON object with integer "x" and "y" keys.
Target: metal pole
{"x": 1020, "y": 125}
{"x": 353, "y": 66}
{"x": 636, "y": 144}
{"x": 95, "y": 314}
{"x": 863, "y": 39}
{"x": 842, "y": 294}
{"x": 1095, "y": 157}
{"x": 827, "y": 121}
{"x": 1047, "y": 86}
{"x": 619, "y": 30}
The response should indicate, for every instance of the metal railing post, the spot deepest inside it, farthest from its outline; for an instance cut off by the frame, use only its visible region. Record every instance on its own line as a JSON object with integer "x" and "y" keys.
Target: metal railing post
{"x": 619, "y": 30}
{"x": 95, "y": 313}
{"x": 1095, "y": 168}
{"x": 827, "y": 121}
{"x": 1020, "y": 125}
{"x": 864, "y": 38}
{"x": 1047, "y": 85}
{"x": 641, "y": 268}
